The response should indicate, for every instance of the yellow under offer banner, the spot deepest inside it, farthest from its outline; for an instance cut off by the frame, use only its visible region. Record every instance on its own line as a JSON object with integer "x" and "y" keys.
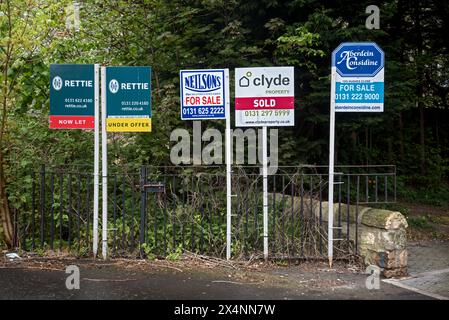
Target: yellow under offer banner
{"x": 128, "y": 124}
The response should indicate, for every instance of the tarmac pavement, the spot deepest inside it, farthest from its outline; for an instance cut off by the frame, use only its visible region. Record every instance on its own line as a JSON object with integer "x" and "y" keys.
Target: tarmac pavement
{"x": 124, "y": 281}
{"x": 428, "y": 267}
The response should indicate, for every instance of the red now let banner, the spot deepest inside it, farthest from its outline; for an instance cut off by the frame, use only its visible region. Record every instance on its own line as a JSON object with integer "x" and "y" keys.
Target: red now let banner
{"x": 72, "y": 122}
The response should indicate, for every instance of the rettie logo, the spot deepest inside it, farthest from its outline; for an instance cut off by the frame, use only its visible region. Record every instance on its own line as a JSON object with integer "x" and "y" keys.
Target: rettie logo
{"x": 57, "y": 83}
{"x": 113, "y": 86}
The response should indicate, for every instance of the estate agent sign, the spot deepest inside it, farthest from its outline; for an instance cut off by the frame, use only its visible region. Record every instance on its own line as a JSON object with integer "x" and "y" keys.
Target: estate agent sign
{"x": 202, "y": 94}
{"x": 359, "y": 77}
{"x": 264, "y": 97}
{"x": 128, "y": 99}
{"x": 72, "y": 90}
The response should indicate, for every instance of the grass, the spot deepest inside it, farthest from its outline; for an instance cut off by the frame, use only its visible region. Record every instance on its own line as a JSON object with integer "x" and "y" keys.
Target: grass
{"x": 419, "y": 222}
{"x": 436, "y": 194}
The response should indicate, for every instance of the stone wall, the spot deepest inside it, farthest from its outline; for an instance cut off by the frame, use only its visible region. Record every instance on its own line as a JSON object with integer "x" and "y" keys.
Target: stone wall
{"x": 381, "y": 236}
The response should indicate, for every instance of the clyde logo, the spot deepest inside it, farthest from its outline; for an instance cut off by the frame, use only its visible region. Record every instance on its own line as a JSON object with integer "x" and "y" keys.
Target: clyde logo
{"x": 263, "y": 81}
{"x": 205, "y": 82}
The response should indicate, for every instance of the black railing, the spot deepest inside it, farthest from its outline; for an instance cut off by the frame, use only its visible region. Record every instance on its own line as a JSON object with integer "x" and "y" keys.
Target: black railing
{"x": 161, "y": 211}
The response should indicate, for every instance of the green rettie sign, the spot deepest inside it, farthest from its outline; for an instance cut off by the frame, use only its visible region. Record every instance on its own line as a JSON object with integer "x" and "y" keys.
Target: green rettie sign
{"x": 72, "y": 96}
{"x": 128, "y": 99}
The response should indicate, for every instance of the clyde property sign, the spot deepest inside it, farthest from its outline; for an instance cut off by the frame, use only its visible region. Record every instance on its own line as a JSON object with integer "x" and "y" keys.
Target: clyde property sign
{"x": 264, "y": 96}
{"x": 72, "y": 94}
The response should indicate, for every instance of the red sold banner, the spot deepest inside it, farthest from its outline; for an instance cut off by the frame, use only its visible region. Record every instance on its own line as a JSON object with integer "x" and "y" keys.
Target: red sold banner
{"x": 264, "y": 96}
{"x": 250, "y": 103}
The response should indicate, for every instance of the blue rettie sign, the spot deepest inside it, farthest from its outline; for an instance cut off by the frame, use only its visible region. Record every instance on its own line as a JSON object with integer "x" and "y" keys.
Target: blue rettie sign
{"x": 203, "y": 94}
{"x": 358, "y": 77}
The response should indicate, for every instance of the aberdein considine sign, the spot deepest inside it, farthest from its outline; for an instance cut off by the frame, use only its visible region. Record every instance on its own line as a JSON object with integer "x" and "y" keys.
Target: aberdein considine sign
{"x": 359, "y": 77}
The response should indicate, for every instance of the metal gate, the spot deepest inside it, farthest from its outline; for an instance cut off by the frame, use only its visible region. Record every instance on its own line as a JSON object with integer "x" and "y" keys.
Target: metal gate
{"x": 163, "y": 211}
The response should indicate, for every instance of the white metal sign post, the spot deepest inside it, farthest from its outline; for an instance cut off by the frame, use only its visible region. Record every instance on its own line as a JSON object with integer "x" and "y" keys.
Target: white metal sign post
{"x": 205, "y": 95}
{"x": 357, "y": 85}
{"x": 104, "y": 167}
{"x": 96, "y": 158}
{"x": 265, "y": 191}
{"x": 228, "y": 166}
{"x": 264, "y": 97}
{"x": 330, "y": 219}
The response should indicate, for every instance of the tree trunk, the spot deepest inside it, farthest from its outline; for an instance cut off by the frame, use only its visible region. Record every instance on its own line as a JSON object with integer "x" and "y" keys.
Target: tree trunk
{"x": 390, "y": 150}
{"x": 437, "y": 129}
{"x": 401, "y": 138}
{"x": 5, "y": 214}
{"x": 367, "y": 145}
{"x": 422, "y": 138}
{"x": 419, "y": 88}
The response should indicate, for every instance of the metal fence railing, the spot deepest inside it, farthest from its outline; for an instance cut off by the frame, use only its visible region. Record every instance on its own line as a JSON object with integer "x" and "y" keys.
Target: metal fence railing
{"x": 167, "y": 210}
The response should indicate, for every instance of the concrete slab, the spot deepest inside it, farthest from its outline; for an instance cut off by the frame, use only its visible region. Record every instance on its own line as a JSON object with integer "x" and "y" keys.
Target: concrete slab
{"x": 428, "y": 269}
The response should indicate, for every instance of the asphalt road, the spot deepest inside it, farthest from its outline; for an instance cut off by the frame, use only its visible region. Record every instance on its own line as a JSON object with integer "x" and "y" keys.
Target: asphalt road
{"x": 119, "y": 282}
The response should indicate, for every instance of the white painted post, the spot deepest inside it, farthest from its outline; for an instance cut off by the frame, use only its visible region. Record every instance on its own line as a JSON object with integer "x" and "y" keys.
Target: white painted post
{"x": 330, "y": 226}
{"x": 96, "y": 157}
{"x": 265, "y": 192}
{"x": 104, "y": 167}
{"x": 228, "y": 166}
